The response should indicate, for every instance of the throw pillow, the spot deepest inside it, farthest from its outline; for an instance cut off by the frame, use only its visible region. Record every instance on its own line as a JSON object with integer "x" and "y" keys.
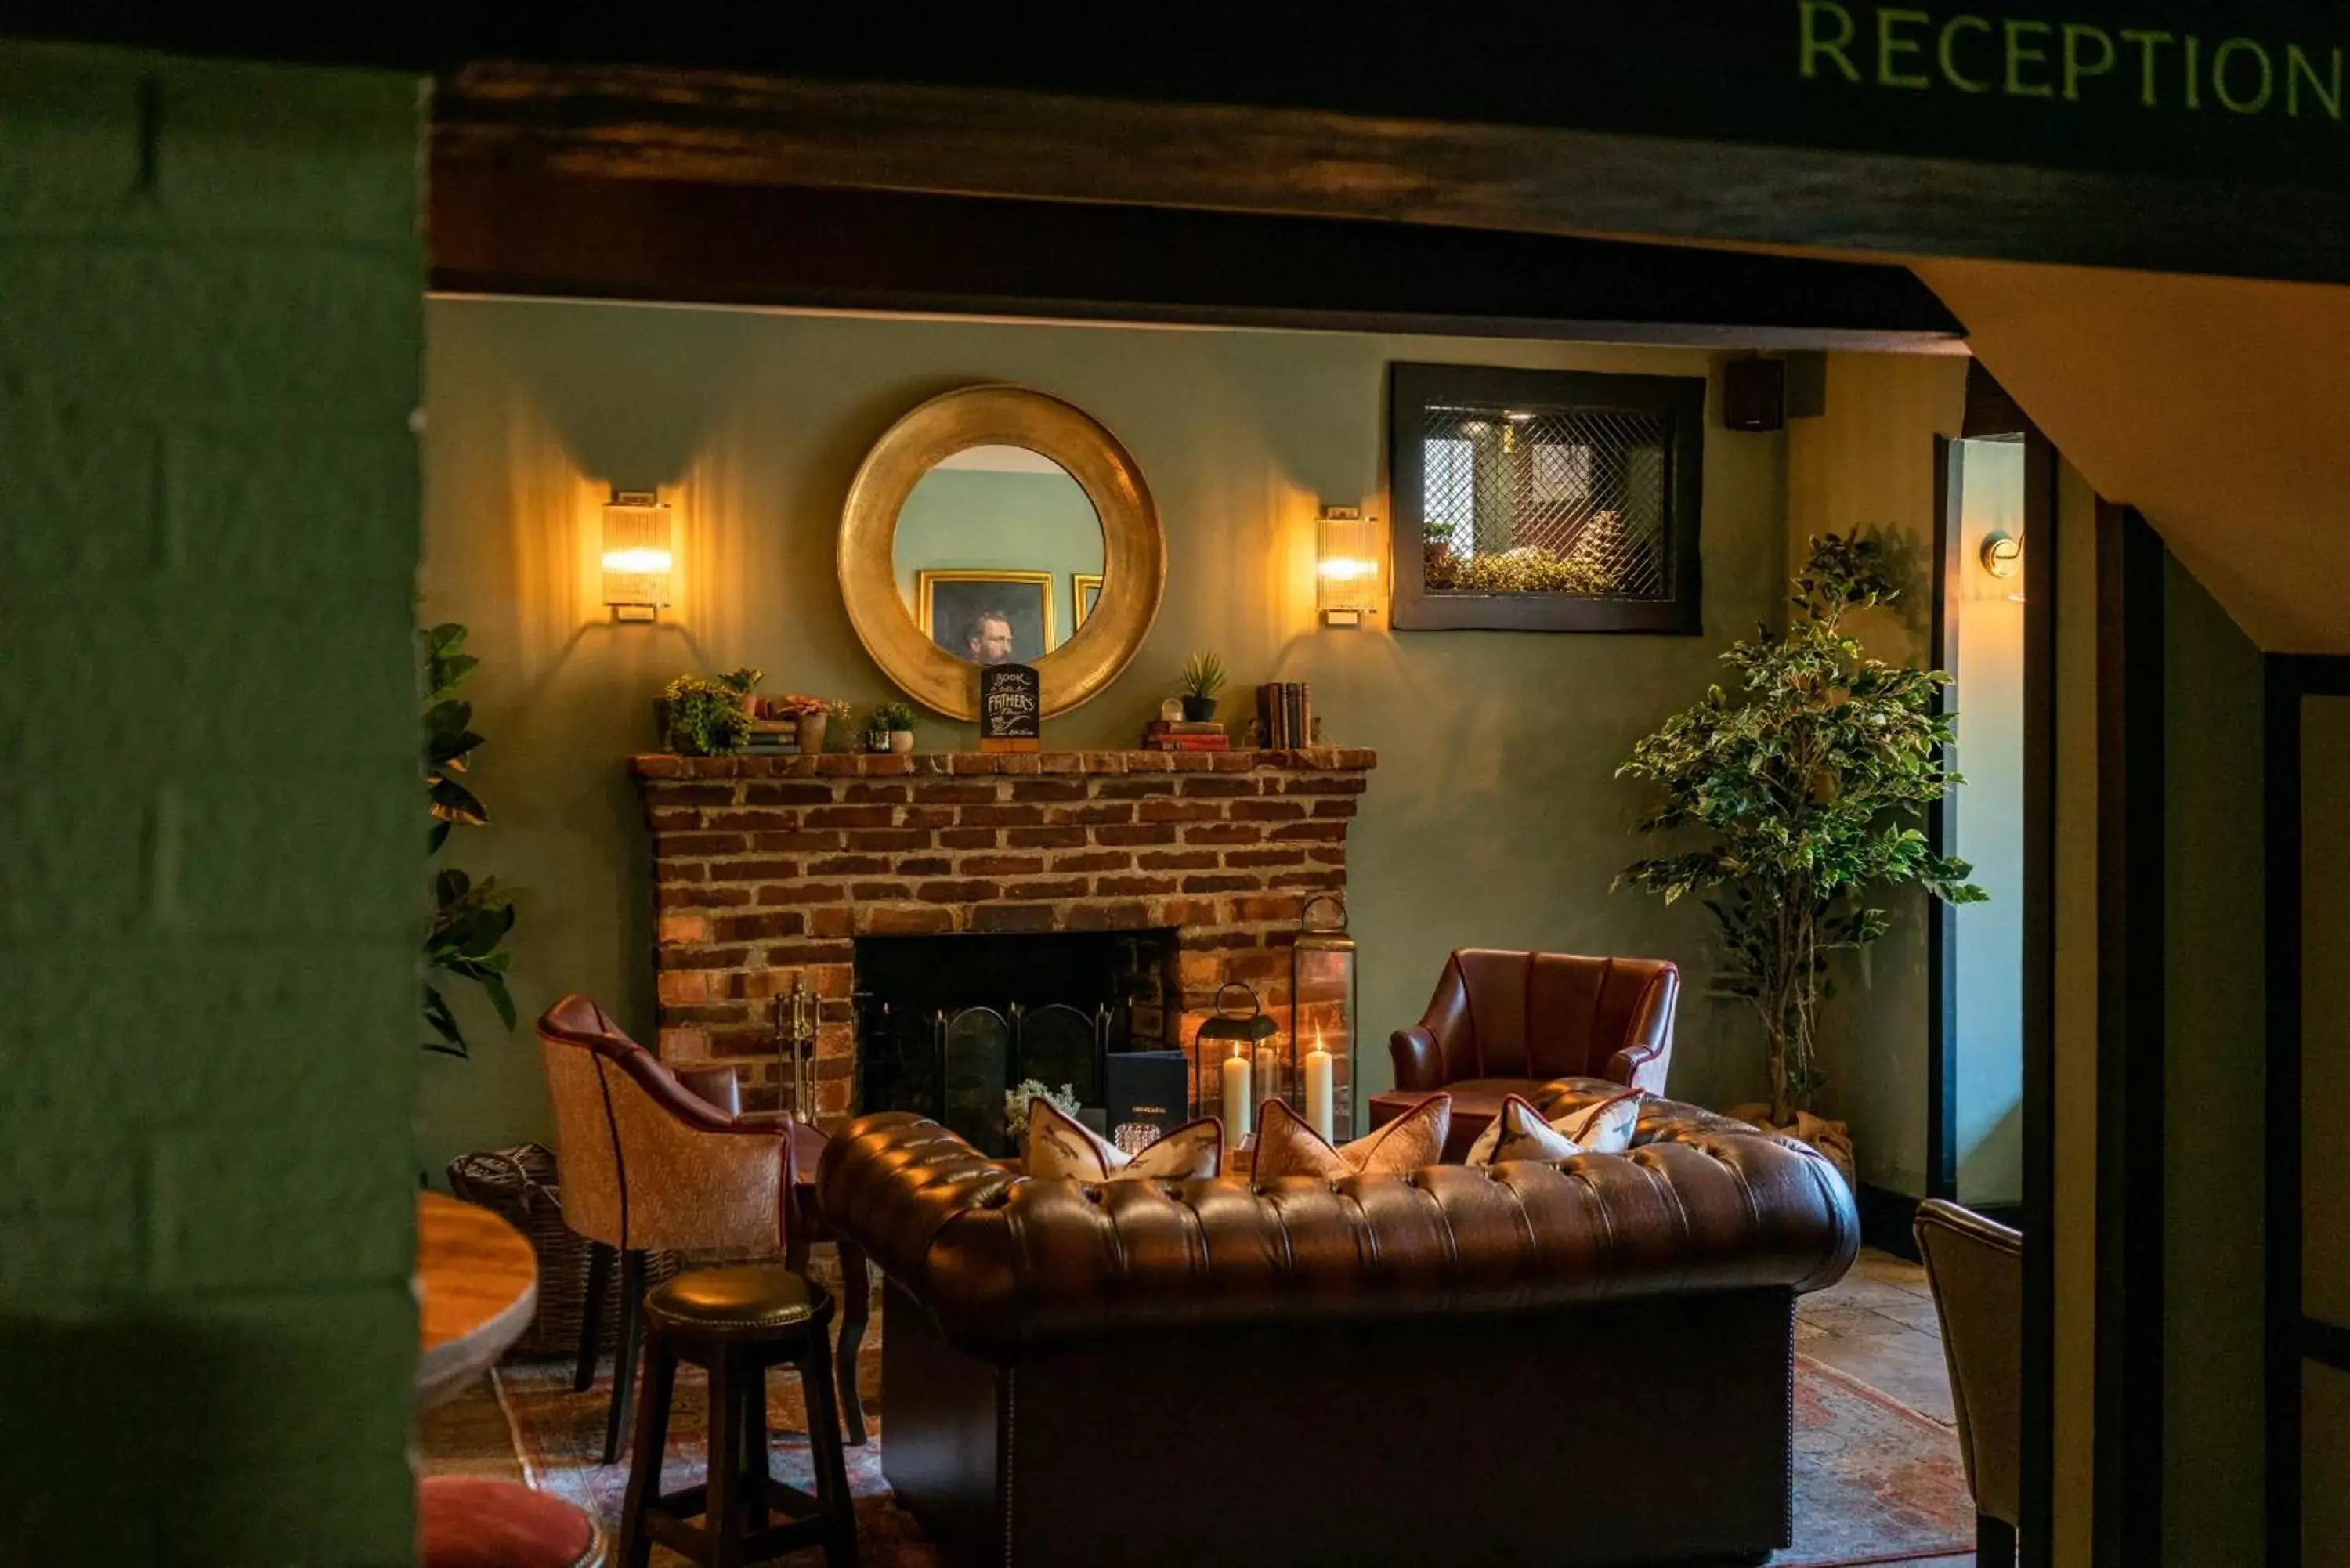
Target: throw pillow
{"x": 1060, "y": 1144}
{"x": 1519, "y": 1131}
{"x": 1288, "y": 1146}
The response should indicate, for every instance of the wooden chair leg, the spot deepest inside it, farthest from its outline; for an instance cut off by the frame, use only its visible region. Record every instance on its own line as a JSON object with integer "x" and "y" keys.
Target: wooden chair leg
{"x": 1995, "y": 1543}
{"x": 591, "y": 1315}
{"x": 722, "y": 1521}
{"x": 645, "y": 1462}
{"x": 757, "y": 1466}
{"x": 624, "y": 1357}
{"x": 839, "y": 1508}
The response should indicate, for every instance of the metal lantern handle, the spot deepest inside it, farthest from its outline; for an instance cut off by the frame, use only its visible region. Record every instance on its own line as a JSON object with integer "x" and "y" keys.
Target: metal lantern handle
{"x": 1256, "y": 1004}
{"x": 1306, "y": 912}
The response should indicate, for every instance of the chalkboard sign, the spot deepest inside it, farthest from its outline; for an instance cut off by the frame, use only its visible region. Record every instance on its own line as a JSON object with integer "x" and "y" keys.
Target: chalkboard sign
{"x": 1010, "y": 701}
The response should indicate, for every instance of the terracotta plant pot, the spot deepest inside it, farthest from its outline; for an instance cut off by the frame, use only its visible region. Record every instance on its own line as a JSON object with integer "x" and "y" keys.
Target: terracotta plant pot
{"x": 1831, "y": 1140}
{"x": 902, "y": 741}
{"x": 812, "y": 732}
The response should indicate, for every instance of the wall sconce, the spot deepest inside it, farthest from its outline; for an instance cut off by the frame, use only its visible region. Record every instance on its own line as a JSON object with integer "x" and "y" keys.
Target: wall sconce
{"x": 1345, "y": 565}
{"x": 637, "y": 555}
{"x": 2003, "y": 553}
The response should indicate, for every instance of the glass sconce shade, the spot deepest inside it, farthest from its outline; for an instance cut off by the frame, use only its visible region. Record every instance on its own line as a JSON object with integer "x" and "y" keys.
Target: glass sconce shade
{"x": 1346, "y": 567}
{"x": 638, "y": 558}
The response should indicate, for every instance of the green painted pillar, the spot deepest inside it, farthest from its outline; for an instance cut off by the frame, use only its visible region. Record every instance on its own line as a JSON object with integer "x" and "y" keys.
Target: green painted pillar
{"x": 210, "y": 304}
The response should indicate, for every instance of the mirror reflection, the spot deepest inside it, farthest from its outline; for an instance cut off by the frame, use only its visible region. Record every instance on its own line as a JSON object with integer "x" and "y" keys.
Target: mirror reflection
{"x": 998, "y": 554}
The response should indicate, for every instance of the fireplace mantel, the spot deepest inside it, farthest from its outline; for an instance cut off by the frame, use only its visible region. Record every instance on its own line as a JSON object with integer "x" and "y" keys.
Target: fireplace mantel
{"x": 768, "y": 869}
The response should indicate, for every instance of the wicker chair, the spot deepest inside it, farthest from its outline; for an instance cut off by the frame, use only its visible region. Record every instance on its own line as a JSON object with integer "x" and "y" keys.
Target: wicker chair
{"x": 648, "y": 1163}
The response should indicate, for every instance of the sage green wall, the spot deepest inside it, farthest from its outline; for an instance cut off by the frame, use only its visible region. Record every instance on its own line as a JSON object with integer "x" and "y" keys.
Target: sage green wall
{"x": 210, "y": 897}
{"x": 1869, "y": 462}
{"x": 2214, "y": 1071}
{"x": 1493, "y": 818}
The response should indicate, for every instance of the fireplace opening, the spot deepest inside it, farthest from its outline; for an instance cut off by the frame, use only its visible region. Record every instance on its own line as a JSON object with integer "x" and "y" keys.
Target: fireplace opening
{"x": 947, "y": 1024}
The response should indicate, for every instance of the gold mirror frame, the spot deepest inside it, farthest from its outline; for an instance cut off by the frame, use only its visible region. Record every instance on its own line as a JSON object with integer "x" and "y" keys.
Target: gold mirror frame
{"x": 1134, "y": 551}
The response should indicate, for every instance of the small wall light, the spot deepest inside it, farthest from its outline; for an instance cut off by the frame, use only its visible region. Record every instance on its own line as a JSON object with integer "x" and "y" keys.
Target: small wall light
{"x": 2003, "y": 553}
{"x": 637, "y": 555}
{"x": 1345, "y": 565}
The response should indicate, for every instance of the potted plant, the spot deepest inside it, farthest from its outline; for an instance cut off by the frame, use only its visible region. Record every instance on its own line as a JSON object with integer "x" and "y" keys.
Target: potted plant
{"x": 813, "y": 715}
{"x": 703, "y": 716}
{"x": 465, "y": 936}
{"x": 891, "y": 729}
{"x": 1807, "y": 789}
{"x": 1202, "y": 677}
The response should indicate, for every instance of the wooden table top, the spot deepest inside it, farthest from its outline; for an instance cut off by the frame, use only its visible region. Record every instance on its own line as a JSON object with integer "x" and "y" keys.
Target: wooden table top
{"x": 476, "y": 1288}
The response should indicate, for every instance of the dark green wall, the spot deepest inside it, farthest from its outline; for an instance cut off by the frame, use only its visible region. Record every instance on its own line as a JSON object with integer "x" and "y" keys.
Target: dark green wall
{"x": 211, "y": 884}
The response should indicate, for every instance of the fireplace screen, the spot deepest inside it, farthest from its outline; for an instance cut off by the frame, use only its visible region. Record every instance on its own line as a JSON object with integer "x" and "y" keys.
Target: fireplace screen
{"x": 1541, "y": 500}
{"x": 947, "y": 1024}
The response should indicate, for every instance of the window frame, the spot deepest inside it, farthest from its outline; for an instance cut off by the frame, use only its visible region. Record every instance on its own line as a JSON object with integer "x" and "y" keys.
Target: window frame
{"x": 1678, "y": 400}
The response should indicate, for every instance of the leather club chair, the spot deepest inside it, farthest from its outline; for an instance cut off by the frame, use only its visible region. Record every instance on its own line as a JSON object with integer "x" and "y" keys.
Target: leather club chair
{"x": 1976, "y": 1267}
{"x": 1505, "y": 1024}
{"x": 653, "y": 1160}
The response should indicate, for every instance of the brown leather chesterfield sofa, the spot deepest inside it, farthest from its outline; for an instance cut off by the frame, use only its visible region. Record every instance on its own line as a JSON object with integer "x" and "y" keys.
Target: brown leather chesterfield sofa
{"x": 1505, "y": 1022}
{"x": 1584, "y": 1363}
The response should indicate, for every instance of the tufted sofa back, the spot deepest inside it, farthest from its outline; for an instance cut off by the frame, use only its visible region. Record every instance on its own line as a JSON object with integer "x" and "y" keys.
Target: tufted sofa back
{"x": 1004, "y": 1261}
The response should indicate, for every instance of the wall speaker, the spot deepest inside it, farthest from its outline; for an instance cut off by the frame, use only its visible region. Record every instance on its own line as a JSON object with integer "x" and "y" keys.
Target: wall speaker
{"x": 1754, "y": 395}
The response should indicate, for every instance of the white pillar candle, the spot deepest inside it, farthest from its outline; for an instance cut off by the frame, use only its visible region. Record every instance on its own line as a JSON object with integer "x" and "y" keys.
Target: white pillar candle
{"x": 1321, "y": 1092}
{"x": 1265, "y": 1083}
{"x": 1238, "y": 1107}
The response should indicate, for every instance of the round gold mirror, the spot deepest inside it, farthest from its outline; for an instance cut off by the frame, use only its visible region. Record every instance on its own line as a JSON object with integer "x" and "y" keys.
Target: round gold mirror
{"x": 996, "y": 525}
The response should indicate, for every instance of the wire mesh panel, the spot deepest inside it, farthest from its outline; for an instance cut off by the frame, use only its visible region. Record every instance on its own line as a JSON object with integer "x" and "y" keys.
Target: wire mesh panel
{"x": 1558, "y": 501}
{"x": 1544, "y": 499}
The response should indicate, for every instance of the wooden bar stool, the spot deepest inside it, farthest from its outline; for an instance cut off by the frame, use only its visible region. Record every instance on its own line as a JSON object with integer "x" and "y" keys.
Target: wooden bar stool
{"x": 735, "y": 1324}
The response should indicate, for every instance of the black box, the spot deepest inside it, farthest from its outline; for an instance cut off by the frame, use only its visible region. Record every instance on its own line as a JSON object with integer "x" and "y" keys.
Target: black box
{"x": 1754, "y": 395}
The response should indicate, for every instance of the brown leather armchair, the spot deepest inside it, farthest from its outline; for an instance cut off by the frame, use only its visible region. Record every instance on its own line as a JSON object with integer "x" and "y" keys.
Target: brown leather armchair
{"x": 648, "y": 1163}
{"x": 1976, "y": 1268}
{"x": 1505, "y": 1024}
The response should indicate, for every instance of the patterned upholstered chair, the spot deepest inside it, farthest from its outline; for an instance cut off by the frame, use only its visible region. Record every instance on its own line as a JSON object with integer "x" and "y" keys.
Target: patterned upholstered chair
{"x": 653, "y": 1162}
{"x": 1505, "y": 1024}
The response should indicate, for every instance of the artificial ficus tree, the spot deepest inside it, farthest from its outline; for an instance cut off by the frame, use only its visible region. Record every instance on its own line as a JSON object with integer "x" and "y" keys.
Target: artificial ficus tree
{"x": 1807, "y": 775}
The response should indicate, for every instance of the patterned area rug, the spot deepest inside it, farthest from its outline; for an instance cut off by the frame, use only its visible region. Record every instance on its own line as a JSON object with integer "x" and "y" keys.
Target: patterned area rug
{"x": 1875, "y": 1482}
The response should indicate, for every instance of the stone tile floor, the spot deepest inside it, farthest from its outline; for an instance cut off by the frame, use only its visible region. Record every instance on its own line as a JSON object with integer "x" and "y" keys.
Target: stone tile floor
{"x": 1877, "y": 1325}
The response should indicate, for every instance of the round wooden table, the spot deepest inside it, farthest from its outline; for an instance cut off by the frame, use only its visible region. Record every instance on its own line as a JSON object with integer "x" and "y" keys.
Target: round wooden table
{"x": 476, "y": 1288}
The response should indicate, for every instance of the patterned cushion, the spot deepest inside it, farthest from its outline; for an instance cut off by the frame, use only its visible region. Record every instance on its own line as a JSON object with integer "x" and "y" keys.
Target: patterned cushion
{"x": 1060, "y": 1144}
{"x": 1519, "y": 1132}
{"x": 1286, "y": 1145}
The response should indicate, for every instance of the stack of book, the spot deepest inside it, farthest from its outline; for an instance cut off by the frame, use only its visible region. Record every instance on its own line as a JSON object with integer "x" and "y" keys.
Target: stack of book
{"x": 774, "y": 738}
{"x": 1183, "y": 735}
{"x": 1284, "y": 714}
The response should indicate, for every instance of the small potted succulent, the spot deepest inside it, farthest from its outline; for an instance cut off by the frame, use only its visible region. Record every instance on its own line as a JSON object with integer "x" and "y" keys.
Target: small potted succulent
{"x": 890, "y": 728}
{"x": 1202, "y": 677}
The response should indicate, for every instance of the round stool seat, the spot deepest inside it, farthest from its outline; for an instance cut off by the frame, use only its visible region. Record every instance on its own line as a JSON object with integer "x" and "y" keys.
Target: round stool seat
{"x": 743, "y": 1301}
{"x": 465, "y": 1522}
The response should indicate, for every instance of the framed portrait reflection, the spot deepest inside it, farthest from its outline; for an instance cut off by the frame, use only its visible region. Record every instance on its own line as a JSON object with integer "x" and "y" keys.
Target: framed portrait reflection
{"x": 1085, "y": 587}
{"x": 985, "y": 617}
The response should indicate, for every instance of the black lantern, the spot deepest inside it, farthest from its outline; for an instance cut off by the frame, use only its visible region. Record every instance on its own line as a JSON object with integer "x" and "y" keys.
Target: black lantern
{"x": 1252, "y": 1039}
{"x": 1322, "y": 1018}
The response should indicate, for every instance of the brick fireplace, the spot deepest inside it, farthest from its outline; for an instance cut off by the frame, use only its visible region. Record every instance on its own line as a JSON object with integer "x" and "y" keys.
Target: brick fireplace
{"x": 768, "y": 869}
